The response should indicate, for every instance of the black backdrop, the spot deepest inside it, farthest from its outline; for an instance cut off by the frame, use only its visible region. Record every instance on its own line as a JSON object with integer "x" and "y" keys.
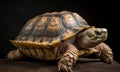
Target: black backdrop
{"x": 15, "y": 13}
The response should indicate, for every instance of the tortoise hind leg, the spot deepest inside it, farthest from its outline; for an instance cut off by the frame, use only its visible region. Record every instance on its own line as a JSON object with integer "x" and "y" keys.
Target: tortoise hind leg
{"x": 15, "y": 55}
{"x": 68, "y": 59}
{"x": 105, "y": 53}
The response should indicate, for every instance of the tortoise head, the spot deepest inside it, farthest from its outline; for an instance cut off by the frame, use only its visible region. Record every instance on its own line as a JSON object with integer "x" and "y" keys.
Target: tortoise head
{"x": 92, "y": 37}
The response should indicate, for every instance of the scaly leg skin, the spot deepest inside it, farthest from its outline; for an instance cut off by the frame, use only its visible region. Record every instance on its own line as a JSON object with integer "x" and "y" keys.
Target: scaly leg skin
{"x": 68, "y": 59}
{"x": 105, "y": 53}
{"x": 15, "y": 55}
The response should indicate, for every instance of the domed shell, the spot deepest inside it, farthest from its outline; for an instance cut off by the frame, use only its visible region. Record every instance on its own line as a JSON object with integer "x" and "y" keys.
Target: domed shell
{"x": 50, "y": 29}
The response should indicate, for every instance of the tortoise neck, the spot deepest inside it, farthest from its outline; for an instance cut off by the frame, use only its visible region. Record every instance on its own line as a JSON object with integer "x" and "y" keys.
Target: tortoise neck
{"x": 76, "y": 42}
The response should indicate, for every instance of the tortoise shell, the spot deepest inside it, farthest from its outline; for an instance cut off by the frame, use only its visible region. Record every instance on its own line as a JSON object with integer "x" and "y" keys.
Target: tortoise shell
{"x": 48, "y": 31}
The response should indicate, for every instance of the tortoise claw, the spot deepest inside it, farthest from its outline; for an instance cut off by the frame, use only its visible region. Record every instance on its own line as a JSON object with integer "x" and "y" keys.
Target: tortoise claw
{"x": 66, "y": 62}
{"x": 105, "y": 53}
{"x": 108, "y": 59}
{"x": 15, "y": 55}
{"x": 64, "y": 68}
{"x": 10, "y": 56}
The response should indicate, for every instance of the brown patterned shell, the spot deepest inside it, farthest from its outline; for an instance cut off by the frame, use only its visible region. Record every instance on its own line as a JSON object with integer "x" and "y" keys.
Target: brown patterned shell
{"x": 49, "y": 30}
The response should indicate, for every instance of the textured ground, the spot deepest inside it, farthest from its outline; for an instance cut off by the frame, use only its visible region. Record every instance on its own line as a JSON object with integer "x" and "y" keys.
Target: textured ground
{"x": 83, "y": 65}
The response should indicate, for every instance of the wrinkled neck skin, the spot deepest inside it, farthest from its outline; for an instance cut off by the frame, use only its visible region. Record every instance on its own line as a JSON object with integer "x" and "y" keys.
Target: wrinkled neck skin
{"x": 78, "y": 43}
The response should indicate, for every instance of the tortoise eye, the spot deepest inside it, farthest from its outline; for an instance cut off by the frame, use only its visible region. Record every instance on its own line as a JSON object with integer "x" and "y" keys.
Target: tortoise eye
{"x": 97, "y": 32}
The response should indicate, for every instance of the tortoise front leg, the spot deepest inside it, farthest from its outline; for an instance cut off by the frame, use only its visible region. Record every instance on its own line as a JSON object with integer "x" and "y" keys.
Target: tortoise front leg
{"x": 68, "y": 59}
{"x": 105, "y": 53}
{"x": 15, "y": 55}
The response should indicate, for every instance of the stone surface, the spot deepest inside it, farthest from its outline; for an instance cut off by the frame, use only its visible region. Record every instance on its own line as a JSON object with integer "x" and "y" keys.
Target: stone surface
{"x": 33, "y": 65}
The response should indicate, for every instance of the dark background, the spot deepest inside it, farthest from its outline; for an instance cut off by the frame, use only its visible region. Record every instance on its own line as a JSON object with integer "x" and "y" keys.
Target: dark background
{"x": 15, "y": 13}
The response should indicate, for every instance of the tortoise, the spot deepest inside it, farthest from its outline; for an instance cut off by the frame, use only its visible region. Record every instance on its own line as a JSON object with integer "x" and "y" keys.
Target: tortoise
{"x": 63, "y": 36}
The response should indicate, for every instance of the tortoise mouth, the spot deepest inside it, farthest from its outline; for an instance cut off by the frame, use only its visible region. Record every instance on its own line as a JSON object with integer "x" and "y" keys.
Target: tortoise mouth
{"x": 98, "y": 35}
